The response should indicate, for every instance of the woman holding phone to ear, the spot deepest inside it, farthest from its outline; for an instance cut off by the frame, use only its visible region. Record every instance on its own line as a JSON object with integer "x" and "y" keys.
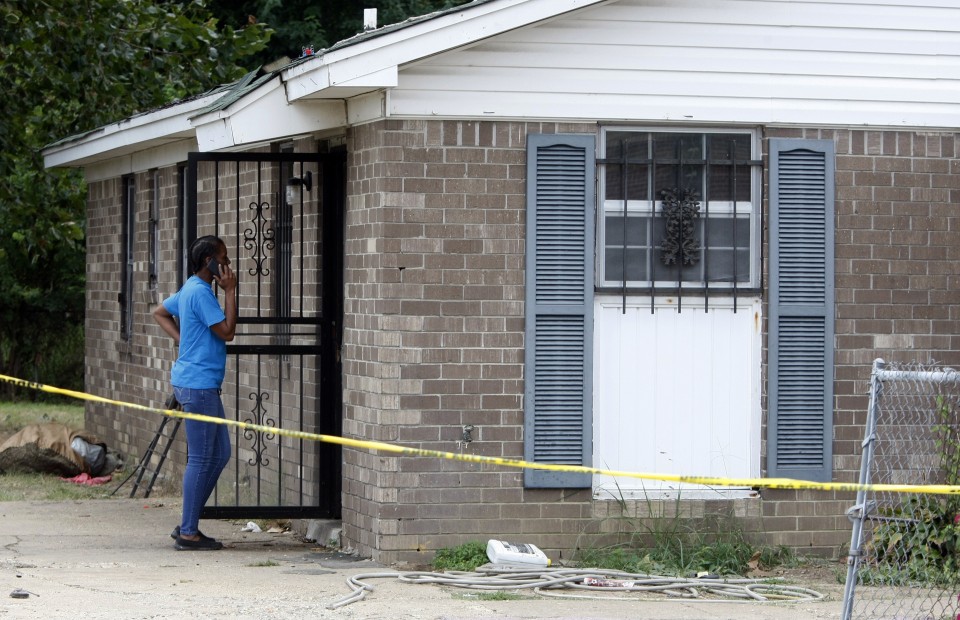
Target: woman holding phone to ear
{"x": 202, "y": 331}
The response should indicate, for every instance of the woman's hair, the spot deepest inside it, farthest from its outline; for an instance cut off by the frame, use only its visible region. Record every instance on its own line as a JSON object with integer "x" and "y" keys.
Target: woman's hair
{"x": 202, "y": 249}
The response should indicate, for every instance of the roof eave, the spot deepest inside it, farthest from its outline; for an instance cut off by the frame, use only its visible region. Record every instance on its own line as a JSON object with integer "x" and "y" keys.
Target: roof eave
{"x": 136, "y": 133}
{"x": 375, "y": 61}
{"x": 365, "y": 64}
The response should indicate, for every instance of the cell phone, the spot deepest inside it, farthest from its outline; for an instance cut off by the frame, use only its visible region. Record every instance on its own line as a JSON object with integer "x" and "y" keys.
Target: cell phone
{"x": 214, "y": 267}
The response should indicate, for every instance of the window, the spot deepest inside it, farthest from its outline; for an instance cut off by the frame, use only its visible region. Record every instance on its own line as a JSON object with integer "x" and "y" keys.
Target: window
{"x": 127, "y": 204}
{"x": 619, "y": 385}
{"x": 183, "y": 233}
{"x": 154, "y": 227}
{"x": 679, "y": 210}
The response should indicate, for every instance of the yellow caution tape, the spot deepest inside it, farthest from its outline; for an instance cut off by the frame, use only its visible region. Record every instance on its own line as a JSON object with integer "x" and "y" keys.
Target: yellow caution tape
{"x": 767, "y": 483}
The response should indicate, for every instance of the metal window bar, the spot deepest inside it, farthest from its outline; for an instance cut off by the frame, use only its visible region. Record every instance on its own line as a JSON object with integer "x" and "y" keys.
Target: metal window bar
{"x": 733, "y": 194}
{"x": 624, "y": 144}
{"x": 705, "y": 224}
{"x": 128, "y": 187}
{"x": 153, "y": 224}
{"x": 897, "y": 566}
{"x": 679, "y": 185}
{"x": 651, "y": 191}
{"x": 626, "y": 163}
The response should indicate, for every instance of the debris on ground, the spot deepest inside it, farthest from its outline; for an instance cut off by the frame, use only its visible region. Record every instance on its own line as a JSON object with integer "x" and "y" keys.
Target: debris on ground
{"x": 55, "y": 448}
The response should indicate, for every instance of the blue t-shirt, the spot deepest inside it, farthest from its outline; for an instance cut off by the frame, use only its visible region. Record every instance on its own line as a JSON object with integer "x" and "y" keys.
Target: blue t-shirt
{"x": 202, "y": 358}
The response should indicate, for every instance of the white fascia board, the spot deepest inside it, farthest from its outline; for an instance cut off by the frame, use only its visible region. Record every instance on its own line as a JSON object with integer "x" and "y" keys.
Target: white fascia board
{"x": 277, "y": 118}
{"x": 351, "y": 87}
{"x": 215, "y": 135}
{"x": 381, "y": 56}
{"x": 366, "y": 108}
{"x": 170, "y": 124}
{"x": 266, "y": 116}
{"x": 162, "y": 156}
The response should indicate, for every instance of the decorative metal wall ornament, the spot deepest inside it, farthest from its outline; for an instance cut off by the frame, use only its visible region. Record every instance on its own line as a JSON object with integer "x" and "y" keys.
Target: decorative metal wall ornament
{"x": 259, "y": 438}
{"x": 680, "y": 209}
{"x": 259, "y": 238}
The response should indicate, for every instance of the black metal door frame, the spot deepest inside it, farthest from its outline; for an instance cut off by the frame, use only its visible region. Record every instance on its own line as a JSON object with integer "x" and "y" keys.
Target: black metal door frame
{"x": 261, "y": 463}
{"x": 334, "y": 193}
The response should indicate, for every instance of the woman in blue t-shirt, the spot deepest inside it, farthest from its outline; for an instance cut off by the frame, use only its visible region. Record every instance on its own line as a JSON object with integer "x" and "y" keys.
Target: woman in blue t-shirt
{"x": 193, "y": 318}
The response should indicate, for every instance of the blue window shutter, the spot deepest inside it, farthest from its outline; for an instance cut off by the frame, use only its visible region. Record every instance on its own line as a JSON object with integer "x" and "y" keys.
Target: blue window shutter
{"x": 800, "y": 372}
{"x": 558, "y": 391}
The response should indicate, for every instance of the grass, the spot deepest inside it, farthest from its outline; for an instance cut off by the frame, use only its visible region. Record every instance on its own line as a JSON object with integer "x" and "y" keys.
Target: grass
{"x": 14, "y": 416}
{"x": 682, "y": 546}
{"x": 24, "y": 487}
{"x": 21, "y": 487}
{"x": 718, "y": 558}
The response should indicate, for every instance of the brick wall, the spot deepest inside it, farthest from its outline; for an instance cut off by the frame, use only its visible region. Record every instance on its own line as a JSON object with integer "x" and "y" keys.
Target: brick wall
{"x": 434, "y": 331}
{"x": 136, "y": 370}
{"x": 434, "y": 325}
{"x": 434, "y": 337}
{"x": 897, "y": 294}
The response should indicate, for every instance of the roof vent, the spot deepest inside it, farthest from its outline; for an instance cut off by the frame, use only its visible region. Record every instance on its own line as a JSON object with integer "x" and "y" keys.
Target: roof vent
{"x": 369, "y": 19}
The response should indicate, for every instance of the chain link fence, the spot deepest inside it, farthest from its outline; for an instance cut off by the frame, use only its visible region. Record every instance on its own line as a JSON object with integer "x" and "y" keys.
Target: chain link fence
{"x": 904, "y": 558}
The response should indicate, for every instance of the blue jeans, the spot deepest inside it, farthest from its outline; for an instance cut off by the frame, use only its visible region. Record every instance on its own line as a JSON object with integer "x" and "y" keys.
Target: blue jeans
{"x": 208, "y": 452}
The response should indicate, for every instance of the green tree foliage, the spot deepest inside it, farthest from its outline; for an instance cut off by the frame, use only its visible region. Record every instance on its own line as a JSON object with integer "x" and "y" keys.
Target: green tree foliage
{"x": 317, "y": 23}
{"x": 68, "y": 66}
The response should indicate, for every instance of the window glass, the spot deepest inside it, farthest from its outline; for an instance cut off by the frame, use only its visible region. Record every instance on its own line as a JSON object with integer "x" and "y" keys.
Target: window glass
{"x": 707, "y": 236}
{"x": 726, "y": 179}
{"x": 127, "y": 199}
{"x": 630, "y": 150}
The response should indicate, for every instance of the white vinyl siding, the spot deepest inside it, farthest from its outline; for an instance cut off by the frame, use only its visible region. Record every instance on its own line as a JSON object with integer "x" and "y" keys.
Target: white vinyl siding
{"x": 748, "y": 61}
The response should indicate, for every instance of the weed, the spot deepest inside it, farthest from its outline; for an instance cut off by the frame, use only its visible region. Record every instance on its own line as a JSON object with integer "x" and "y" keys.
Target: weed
{"x": 662, "y": 540}
{"x": 465, "y": 557}
{"x": 264, "y": 563}
{"x": 724, "y": 557}
{"x": 919, "y": 542}
{"x": 780, "y": 555}
{"x": 618, "y": 558}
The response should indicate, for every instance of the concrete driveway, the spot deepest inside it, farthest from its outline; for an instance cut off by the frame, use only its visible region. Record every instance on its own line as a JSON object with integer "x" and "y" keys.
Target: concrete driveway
{"x": 114, "y": 559}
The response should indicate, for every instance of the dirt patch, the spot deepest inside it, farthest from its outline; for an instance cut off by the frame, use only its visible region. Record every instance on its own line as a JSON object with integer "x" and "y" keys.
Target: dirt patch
{"x": 824, "y": 576}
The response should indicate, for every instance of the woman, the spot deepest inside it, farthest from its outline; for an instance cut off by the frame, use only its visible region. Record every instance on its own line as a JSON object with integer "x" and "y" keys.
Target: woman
{"x": 201, "y": 330}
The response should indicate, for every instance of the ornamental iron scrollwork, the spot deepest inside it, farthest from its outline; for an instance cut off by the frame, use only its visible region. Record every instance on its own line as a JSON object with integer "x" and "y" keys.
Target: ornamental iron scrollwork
{"x": 259, "y": 438}
{"x": 259, "y": 238}
{"x": 680, "y": 210}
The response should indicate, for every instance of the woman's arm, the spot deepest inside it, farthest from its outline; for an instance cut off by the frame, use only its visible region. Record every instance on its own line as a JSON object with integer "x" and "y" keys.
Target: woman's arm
{"x": 163, "y": 317}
